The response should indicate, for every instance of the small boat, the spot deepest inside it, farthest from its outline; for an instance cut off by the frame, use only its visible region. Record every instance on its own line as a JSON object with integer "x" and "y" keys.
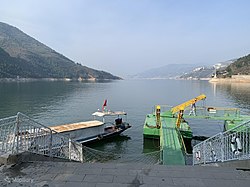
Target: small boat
{"x": 93, "y": 131}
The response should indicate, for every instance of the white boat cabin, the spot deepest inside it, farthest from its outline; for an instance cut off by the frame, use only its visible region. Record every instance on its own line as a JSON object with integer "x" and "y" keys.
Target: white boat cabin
{"x": 80, "y": 129}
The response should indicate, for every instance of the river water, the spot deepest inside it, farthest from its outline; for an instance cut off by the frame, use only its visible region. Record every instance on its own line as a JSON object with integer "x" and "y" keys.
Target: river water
{"x": 54, "y": 103}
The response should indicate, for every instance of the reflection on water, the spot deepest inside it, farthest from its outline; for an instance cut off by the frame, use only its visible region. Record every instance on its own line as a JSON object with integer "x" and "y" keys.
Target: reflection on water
{"x": 115, "y": 145}
{"x": 238, "y": 93}
{"x": 32, "y": 97}
{"x": 51, "y": 103}
{"x": 151, "y": 145}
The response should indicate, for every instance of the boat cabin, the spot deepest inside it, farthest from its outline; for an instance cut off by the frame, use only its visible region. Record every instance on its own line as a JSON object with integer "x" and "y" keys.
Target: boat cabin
{"x": 80, "y": 129}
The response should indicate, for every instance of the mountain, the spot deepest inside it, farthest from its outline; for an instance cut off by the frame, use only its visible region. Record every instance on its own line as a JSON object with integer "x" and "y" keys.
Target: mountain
{"x": 240, "y": 66}
{"x": 168, "y": 71}
{"x": 201, "y": 72}
{"x": 24, "y": 56}
{"x": 187, "y": 71}
{"x": 205, "y": 72}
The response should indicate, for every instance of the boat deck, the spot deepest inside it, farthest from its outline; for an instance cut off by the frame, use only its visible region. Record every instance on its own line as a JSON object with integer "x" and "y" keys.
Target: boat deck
{"x": 76, "y": 126}
{"x": 148, "y": 129}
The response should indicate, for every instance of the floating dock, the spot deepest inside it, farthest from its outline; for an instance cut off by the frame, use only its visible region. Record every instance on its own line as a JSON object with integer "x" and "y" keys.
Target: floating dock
{"x": 171, "y": 138}
{"x": 174, "y": 132}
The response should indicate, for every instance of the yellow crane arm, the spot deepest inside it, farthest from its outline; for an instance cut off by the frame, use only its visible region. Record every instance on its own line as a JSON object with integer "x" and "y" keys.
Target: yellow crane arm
{"x": 187, "y": 103}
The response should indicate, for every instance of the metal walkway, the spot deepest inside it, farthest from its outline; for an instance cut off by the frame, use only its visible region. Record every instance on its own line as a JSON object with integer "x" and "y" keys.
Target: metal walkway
{"x": 172, "y": 147}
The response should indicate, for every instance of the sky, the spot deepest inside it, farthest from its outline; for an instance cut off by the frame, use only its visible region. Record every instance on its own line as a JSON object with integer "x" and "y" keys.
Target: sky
{"x": 125, "y": 37}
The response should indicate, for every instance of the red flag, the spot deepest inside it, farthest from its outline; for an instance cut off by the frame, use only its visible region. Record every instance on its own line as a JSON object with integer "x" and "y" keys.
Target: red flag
{"x": 104, "y": 104}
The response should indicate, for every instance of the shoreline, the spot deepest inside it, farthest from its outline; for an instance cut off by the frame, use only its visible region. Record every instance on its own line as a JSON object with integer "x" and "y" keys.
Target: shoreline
{"x": 52, "y": 79}
{"x": 234, "y": 79}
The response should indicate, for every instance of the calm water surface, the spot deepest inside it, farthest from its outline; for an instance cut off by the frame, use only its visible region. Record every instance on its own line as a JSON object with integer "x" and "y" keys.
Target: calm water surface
{"x": 53, "y": 103}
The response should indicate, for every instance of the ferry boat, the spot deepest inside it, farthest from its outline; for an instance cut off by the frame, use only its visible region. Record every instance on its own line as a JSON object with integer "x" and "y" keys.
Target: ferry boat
{"x": 93, "y": 131}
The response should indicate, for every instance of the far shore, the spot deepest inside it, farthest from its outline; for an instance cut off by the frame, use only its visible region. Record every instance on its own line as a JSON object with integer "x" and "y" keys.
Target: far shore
{"x": 50, "y": 79}
{"x": 234, "y": 79}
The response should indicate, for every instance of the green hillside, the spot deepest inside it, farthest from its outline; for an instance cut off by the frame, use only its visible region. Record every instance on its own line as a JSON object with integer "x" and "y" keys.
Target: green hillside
{"x": 23, "y": 56}
{"x": 240, "y": 66}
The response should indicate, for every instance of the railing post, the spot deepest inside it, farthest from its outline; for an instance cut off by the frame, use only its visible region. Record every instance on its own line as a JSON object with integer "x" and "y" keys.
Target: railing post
{"x": 222, "y": 146}
{"x": 70, "y": 148}
{"x": 16, "y": 136}
{"x": 50, "y": 143}
{"x": 247, "y": 142}
{"x": 204, "y": 152}
{"x": 81, "y": 153}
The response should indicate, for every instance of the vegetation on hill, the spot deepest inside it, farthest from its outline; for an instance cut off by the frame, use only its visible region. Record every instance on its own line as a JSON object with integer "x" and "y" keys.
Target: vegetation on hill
{"x": 240, "y": 66}
{"x": 23, "y": 56}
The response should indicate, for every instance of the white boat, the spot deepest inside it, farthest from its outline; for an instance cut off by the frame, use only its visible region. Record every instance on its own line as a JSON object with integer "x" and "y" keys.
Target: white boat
{"x": 95, "y": 130}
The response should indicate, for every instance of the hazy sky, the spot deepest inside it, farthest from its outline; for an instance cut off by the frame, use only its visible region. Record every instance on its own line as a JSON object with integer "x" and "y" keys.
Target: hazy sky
{"x": 125, "y": 37}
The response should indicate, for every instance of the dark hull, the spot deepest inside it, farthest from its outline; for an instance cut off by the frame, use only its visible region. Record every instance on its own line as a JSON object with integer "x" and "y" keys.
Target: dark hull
{"x": 109, "y": 132}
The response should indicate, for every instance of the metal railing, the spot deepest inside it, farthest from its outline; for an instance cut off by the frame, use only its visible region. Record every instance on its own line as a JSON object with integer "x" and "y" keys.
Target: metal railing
{"x": 233, "y": 144}
{"x": 20, "y": 133}
{"x": 205, "y": 111}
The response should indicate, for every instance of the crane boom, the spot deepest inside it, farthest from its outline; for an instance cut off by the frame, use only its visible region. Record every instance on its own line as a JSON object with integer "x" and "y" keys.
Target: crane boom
{"x": 187, "y": 103}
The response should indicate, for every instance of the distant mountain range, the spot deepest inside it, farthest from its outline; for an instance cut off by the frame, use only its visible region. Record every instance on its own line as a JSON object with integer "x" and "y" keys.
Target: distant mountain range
{"x": 23, "y": 56}
{"x": 197, "y": 71}
{"x": 206, "y": 71}
{"x": 201, "y": 72}
{"x": 166, "y": 72}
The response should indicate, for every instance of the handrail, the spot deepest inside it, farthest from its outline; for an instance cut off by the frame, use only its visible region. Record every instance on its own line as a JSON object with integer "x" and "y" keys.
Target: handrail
{"x": 181, "y": 140}
{"x": 233, "y": 144}
{"x": 21, "y": 133}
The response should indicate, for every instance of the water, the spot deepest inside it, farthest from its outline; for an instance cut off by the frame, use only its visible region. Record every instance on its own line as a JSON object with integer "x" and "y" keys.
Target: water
{"x": 54, "y": 103}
